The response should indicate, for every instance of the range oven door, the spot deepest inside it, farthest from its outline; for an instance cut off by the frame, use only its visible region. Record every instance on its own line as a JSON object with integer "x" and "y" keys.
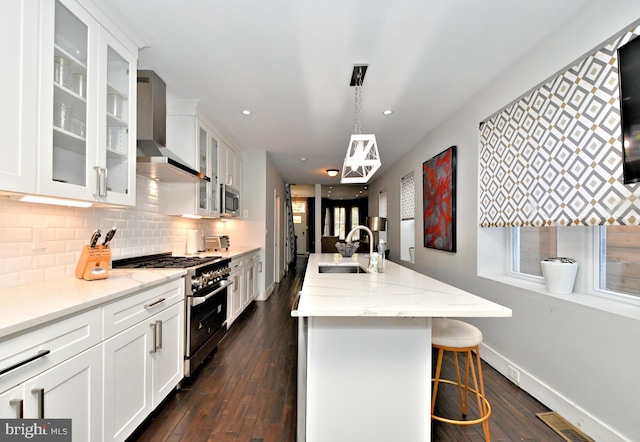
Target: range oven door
{"x": 206, "y": 326}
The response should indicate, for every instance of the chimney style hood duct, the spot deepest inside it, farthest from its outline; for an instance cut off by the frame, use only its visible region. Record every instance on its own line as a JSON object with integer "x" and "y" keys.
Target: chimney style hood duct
{"x": 154, "y": 159}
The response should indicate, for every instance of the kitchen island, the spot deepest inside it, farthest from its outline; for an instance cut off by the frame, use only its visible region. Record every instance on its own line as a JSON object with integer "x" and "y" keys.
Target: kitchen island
{"x": 364, "y": 348}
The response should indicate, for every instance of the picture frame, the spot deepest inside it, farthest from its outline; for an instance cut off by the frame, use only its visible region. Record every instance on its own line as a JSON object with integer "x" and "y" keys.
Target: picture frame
{"x": 439, "y": 200}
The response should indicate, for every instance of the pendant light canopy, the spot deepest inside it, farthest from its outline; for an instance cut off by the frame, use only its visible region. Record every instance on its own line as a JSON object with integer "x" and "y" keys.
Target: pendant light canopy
{"x": 362, "y": 159}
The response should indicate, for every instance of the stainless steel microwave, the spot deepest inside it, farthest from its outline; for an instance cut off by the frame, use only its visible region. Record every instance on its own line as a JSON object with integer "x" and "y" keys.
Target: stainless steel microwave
{"x": 229, "y": 201}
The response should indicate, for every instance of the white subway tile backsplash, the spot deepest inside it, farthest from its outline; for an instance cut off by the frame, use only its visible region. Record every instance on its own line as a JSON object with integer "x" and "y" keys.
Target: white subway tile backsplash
{"x": 8, "y": 250}
{"x": 44, "y": 261}
{"x": 141, "y": 230}
{"x": 31, "y": 276}
{"x": 18, "y": 263}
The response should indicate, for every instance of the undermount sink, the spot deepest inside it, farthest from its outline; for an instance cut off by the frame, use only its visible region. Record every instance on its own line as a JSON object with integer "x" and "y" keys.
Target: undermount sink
{"x": 355, "y": 268}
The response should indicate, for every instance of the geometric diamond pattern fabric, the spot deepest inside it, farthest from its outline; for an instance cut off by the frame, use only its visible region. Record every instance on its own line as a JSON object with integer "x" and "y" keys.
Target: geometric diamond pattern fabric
{"x": 407, "y": 197}
{"x": 554, "y": 157}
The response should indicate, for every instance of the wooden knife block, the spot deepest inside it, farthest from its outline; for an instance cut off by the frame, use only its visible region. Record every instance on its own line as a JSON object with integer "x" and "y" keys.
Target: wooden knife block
{"x": 94, "y": 263}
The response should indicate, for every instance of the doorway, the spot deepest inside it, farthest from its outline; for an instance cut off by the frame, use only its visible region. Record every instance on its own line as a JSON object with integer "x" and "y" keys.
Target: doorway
{"x": 300, "y": 225}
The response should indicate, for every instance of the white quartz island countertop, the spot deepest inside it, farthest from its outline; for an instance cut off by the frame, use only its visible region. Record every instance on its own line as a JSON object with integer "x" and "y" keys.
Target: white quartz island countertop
{"x": 31, "y": 305}
{"x": 398, "y": 292}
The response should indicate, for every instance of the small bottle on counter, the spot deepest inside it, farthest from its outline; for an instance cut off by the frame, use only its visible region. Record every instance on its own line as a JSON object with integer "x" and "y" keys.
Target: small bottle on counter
{"x": 374, "y": 259}
{"x": 381, "y": 250}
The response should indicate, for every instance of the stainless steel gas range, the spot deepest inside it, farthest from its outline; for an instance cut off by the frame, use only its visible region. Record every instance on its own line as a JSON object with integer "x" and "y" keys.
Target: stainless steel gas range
{"x": 206, "y": 284}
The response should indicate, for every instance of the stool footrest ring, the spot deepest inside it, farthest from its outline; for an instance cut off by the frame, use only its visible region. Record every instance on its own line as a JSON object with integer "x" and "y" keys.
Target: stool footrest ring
{"x": 464, "y": 422}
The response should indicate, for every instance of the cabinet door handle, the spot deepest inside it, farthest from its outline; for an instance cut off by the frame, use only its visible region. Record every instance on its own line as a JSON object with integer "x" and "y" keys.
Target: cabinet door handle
{"x": 159, "y": 330}
{"x": 40, "y": 354}
{"x": 19, "y": 404}
{"x": 101, "y": 182}
{"x": 40, "y": 393}
{"x": 153, "y": 330}
{"x": 155, "y": 303}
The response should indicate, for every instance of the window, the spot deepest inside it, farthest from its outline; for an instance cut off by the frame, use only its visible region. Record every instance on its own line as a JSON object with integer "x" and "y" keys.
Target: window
{"x": 299, "y": 206}
{"x": 407, "y": 217}
{"x": 616, "y": 260}
{"x": 339, "y": 222}
{"x": 530, "y": 246}
{"x": 619, "y": 256}
{"x": 355, "y": 221}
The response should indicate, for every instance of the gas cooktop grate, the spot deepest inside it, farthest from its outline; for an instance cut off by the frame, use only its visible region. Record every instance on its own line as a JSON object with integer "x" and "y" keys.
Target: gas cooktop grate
{"x": 163, "y": 261}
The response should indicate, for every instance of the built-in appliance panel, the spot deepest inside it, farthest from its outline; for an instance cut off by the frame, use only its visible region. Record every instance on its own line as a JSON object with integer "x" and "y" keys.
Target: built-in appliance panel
{"x": 126, "y": 312}
{"x": 28, "y": 354}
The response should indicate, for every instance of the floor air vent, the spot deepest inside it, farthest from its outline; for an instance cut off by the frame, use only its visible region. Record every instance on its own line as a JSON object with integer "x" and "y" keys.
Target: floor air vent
{"x": 563, "y": 428}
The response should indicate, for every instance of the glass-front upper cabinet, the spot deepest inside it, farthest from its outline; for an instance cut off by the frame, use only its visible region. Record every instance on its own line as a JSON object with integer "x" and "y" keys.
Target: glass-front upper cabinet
{"x": 207, "y": 156}
{"x": 85, "y": 107}
{"x": 213, "y": 174}
{"x": 204, "y": 204}
{"x": 120, "y": 104}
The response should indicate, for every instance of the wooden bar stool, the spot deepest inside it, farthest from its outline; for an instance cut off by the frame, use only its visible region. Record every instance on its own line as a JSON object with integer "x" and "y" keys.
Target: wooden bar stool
{"x": 460, "y": 337}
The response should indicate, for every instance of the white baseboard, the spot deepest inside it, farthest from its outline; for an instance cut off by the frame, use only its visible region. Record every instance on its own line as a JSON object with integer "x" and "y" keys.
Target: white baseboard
{"x": 585, "y": 422}
{"x": 264, "y": 296}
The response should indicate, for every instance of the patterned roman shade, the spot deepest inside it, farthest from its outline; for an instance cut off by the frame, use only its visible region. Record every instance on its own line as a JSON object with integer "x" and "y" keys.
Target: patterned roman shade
{"x": 554, "y": 157}
{"x": 408, "y": 197}
{"x": 382, "y": 204}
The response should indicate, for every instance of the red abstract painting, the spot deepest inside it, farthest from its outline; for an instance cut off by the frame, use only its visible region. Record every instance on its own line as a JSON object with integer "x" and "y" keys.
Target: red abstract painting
{"x": 439, "y": 201}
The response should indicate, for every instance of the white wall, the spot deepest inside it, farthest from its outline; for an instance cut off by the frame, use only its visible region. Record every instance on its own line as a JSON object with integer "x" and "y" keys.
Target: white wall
{"x": 577, "y": 360}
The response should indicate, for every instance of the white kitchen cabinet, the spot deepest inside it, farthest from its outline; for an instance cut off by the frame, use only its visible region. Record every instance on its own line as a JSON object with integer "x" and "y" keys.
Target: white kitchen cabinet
{"x": 60, "y": 366}
{"x": 251, "y": 269}
{"x": 71, "y": 390}
{"x": 87, "y": 108}
{"x": 142, "y": 365}
{"x": 191, "y": 138}
{"x": 234, "y": 301}
{"x": 18, "y": 113}
{"x": 230, "y": 167}
{"x": 245, "y": 276}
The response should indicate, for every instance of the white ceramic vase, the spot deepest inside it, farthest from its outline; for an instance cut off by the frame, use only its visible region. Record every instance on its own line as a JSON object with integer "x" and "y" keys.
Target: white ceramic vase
{"x": 559, "y": 274}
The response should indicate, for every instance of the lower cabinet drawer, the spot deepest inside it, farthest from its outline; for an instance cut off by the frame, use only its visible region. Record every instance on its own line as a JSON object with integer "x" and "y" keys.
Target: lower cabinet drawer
{"x": 30, "y": 353}
{"x": 126, "y": 312}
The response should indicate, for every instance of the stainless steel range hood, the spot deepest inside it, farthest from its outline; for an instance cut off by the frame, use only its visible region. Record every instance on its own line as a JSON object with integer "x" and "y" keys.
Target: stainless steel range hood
{"x": 154, "y": 160}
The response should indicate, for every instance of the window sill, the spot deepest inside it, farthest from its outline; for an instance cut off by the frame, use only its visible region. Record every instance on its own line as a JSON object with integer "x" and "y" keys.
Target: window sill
{"x": 626, "y": 307}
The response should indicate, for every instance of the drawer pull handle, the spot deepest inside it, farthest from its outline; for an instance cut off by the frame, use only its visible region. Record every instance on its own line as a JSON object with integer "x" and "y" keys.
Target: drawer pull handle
{"x": 40, "y": 354}
{"x": 155, "y": 342}
{"x": 159, "y": 328}
{"x": 155, "y": 303}
{"x": 19, "y": 404}
{"x": 40, "y": 393}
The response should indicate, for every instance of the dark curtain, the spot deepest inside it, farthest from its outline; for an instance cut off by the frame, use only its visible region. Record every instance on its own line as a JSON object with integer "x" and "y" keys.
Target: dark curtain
{"x": 311, "y": 224}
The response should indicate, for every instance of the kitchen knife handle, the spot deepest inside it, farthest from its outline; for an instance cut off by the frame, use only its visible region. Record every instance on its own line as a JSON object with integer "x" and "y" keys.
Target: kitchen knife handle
{"x": 19, "y": 404}
{"x": 153, "y": 330}
{"x": 40, "y": 393}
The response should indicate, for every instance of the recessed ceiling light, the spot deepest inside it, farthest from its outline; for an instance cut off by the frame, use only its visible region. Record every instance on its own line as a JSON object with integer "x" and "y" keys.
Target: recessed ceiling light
{"x": 303, "y": 159}
{"x": 387, "y": 112}
{"x": 246, "y": 112}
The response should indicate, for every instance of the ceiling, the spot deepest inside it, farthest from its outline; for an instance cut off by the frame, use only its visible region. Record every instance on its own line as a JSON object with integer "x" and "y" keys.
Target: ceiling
{"x": 290, "y": 63}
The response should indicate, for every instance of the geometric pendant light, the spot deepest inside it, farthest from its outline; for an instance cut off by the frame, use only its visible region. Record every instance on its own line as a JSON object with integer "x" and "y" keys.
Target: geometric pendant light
{"x": 362, "y": 159}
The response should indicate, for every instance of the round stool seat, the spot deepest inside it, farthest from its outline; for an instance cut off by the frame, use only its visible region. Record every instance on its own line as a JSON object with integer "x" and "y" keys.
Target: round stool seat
{"x": 454, "y": 334}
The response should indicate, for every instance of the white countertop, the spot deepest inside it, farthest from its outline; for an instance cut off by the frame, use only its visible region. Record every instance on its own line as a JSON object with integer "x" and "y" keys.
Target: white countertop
{"x": 398, "y": 292}
{"x": 30, "y": 305}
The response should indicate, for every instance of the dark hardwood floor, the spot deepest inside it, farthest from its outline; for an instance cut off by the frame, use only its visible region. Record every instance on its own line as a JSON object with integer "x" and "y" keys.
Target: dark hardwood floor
{"x": 247, "y": 390}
